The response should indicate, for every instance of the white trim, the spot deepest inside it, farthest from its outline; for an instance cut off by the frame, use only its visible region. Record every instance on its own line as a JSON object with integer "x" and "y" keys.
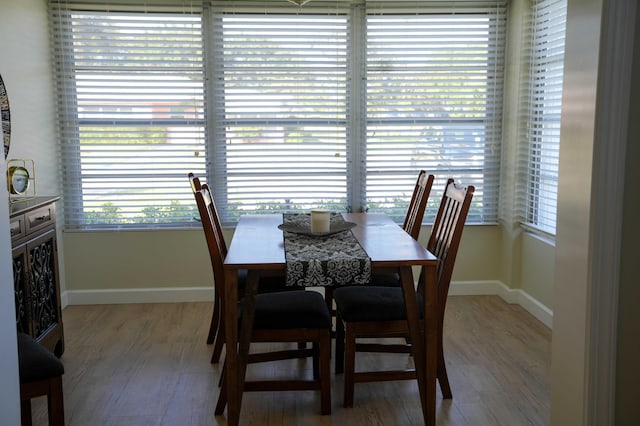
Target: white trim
{"x": 205, "y": 294}
{"x": 509, "y": 295}
{"x": 139, "y": 295}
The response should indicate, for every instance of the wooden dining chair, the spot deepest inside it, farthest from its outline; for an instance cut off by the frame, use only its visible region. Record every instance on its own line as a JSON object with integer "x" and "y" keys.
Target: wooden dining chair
{"x": 287, "y": 316}
{"x": 379, "y": 311}
{"x": 267, "y": 284}
{"x": 412, "y": 225}
{"x": 40, "y": 374}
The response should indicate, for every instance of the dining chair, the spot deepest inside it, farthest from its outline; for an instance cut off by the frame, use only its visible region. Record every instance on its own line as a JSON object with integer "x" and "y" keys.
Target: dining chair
{"x": 40, "y": 374}
{"x": 267, "y": 284}
{"x": 379, "y": 311}
{"x": 282, "y": 317}
{"x": 412, "y": 225}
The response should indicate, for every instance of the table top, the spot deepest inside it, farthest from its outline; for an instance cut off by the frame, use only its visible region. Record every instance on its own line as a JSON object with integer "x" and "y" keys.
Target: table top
{"x": 258, "y": 243}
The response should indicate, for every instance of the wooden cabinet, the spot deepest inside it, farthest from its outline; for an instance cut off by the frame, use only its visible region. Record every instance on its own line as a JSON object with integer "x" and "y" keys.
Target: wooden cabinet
{"x": 35, "y": 271}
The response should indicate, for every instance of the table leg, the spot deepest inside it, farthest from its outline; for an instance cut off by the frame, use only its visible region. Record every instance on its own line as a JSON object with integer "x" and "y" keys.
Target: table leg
{"x": 234, "y": 390}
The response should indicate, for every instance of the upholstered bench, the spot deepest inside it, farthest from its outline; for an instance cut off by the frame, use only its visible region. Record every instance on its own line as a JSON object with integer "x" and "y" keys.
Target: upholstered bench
{"x": 40, "y": 374}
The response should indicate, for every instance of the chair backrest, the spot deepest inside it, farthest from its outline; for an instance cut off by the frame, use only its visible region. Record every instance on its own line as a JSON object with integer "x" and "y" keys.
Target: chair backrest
{"x": 195, "y": 182}
{"x": 196, "y": 186}
{"x": 418, "y": 204}
{"x": 213, "y": 233}
{"x": 446, "y": 234}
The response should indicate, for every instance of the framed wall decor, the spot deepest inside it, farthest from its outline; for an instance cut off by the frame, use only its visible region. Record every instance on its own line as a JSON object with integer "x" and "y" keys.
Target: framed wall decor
{"x": 5, "y": 118}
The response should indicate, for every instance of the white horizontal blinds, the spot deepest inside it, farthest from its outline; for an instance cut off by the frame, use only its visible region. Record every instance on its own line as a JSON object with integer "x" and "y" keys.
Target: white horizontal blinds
{"x": 279, "y": 109}
{"x": 433, "y": 101}
{"x": 131, "y": 101}
{"x": 542, "y": 135}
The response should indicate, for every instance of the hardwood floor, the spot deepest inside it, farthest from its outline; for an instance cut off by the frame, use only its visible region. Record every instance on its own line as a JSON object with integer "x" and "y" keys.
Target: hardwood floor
{"x": 148, "y": 364}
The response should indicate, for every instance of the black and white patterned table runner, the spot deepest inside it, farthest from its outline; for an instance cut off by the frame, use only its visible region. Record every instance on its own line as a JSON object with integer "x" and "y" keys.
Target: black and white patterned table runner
{"x": 331, "y": 260}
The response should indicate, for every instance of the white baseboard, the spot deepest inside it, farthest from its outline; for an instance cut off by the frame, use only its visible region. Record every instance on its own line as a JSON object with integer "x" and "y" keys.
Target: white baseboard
{"x": 205, "y": 294}
{"x": 137, "y": 295}
{"x": 514, "y": 296}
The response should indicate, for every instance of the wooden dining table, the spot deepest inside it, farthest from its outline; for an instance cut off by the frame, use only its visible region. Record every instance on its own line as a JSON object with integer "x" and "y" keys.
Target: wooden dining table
{"x": 258, "y": 246}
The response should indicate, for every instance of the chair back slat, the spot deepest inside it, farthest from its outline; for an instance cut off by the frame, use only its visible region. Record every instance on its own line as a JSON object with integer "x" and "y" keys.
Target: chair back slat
{"x": 418, "y": 204}
{"x": 446, "y": 234}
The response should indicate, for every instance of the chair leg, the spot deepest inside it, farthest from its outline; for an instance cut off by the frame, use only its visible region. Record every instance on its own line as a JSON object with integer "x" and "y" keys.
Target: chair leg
{"x": 215, "y": 320}
{"x": 25, "y": 412}
{"x": 443, "y": 378}
{"x": 325, "y": 373}
{"x": 349, "y": 365}
{"x": 55, "y": 402}
{"x": 317, "y": 354}
{"x": 222, "y": 398}
{"x": 218, "y": 344}
{"x": 339, "y": 362}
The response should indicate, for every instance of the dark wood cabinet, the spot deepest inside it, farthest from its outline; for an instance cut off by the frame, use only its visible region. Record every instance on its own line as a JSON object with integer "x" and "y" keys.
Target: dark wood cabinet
{"x": 35, "y": 271}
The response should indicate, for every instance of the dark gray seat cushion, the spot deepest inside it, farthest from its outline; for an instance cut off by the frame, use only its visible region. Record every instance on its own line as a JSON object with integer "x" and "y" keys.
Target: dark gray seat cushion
{"x": 267, "y": 284}
{"x": 35, "y": 362}
{"x": 386, "y": 280}
{"x": 290, "y": 309}
{"x": 372, "y": 303}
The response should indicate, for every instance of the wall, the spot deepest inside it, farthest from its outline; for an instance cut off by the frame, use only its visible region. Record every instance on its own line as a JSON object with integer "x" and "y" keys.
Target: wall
{"x": 24, "y": 65}
{"x": 627, "y": 409}
{"x": 10, "y": 389}
{"x": 570, "y": 337}
{"x": 26, "y": 69}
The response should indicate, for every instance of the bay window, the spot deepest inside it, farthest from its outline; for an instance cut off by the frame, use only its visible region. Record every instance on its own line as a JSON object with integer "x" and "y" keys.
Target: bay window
{"x": 278, "y": 108}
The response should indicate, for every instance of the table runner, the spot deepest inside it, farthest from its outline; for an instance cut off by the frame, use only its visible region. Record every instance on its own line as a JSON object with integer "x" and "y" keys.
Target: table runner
{"x": 331, "y": 260}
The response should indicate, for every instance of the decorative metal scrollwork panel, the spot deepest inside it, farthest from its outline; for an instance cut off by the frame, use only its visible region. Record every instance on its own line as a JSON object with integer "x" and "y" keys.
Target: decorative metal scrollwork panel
{"x": 42, "y": 287}
{"x": 19, "y": 274}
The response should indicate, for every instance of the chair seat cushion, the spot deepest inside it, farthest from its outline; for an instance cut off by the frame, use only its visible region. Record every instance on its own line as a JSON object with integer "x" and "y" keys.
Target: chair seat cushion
{"x": 289, "y": 310}
{"x": 267, "y": 284}
{"x": 35, "y": 362}
{"x": 372, "y": 303}
{"x": 386, "y": 280}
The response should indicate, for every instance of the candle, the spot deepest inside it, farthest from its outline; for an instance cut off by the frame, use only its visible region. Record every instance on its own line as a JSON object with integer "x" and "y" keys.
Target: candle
{"x": 320, "y": 221}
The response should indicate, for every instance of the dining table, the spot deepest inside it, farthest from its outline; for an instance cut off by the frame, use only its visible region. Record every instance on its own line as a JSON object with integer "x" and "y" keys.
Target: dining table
{"x": 258, "y": 246}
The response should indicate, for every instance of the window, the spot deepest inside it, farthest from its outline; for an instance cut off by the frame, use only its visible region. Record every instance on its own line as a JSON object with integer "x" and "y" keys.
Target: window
{"x": 333, "y": 104}
{"x": 131, "y": 107}
{"x": 433, "y": 101}
{"x": 279, "y": 110}
{"x": 541, "y": 132}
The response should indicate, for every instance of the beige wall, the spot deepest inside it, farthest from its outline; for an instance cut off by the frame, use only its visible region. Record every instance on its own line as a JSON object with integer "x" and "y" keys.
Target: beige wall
{"x": 137, "y": 259}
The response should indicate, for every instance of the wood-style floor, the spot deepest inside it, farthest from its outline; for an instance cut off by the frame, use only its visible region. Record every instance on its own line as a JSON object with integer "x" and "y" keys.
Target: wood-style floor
{"x": 148, "y": 364}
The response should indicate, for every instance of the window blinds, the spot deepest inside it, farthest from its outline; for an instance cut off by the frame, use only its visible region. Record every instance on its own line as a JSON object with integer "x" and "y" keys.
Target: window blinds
{"x": 131, "y": 107}
{"x": 541, "y": 133}
{"x": 333, "y": 104}
{"x": 279, "y": 108}
{"x": 434, "y": 78}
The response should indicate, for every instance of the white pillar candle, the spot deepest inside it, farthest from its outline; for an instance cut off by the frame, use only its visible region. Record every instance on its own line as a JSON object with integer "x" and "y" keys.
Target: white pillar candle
{"x": 320, "y": 221}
